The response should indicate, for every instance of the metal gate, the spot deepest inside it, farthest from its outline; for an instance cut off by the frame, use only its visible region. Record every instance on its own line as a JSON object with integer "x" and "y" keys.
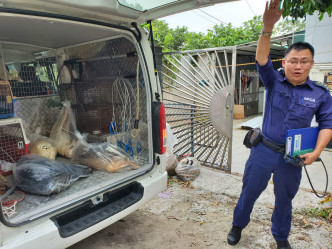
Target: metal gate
{"x": 198, "y": 90}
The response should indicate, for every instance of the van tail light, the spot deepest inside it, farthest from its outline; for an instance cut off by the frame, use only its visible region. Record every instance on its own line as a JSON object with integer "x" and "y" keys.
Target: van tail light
{"x": 162, "y": 127}
{"x": 159, "y": 128}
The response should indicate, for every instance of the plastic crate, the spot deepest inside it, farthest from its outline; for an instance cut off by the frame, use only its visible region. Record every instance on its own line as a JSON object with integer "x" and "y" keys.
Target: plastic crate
{"x": 6, "y": 100}
{"x": 13, "y": 141}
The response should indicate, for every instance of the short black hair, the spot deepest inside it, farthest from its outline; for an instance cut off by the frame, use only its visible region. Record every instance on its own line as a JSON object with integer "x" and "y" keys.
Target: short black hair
{"x": 300, "y": 46}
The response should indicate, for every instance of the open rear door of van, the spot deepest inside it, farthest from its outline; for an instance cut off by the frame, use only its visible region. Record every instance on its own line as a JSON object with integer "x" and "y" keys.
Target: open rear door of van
{"x": 120, "y": 12}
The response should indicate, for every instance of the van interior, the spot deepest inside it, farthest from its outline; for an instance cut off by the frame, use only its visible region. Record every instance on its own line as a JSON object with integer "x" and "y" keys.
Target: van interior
{"x": 77, "y": 92}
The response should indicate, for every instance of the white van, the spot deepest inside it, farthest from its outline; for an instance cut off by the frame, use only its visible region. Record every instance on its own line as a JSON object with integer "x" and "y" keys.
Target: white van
{"x": 92, "y": 58}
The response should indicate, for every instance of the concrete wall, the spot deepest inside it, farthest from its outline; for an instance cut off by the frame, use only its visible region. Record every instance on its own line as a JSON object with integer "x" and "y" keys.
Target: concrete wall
{"x": 319, "y": 34}
{"x": 319, "y": 71}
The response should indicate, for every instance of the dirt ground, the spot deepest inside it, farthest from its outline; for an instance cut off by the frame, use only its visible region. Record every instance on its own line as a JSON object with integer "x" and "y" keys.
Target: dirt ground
{"x": 200, "y": 216}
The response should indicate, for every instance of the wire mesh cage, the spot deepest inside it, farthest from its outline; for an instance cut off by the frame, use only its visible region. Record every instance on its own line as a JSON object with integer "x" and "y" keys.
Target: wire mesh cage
{"x": 87, "y": 95}
{"x": 6, "y": 100}
{"x": 94, "y": 121}
{"x": 91, "y": 103}
{"x": 105, "y": 85}
{"x": 103, "y": 81}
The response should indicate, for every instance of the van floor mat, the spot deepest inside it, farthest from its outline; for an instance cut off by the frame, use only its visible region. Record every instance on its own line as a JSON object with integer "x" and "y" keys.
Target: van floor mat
{"x": 87, "y": 214}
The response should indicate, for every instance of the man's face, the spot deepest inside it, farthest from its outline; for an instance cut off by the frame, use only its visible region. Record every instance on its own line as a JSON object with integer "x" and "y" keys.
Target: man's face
{"x": 297, "y": 65}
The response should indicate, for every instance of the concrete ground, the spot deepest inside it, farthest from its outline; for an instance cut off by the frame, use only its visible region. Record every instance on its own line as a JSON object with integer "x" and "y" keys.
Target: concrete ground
{"x": 316, "y": 171}
{"x": 199, "y": 215}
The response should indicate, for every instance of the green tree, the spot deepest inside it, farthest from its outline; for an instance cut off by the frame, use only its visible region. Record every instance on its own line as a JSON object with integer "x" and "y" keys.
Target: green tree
{"x": 196, "y": 41}
{"x": 175, "y": 39}
{"x": 300, "y": 8}
{"x": 219, "y": 36}
{"x": 223, "y": 35}
{"x": 227, "y": 35}
{"x": 167, "y": 38}
{"x": 252, "y": 28}
{"x": 287, "y": 26}
{"x": 160, "y": 31}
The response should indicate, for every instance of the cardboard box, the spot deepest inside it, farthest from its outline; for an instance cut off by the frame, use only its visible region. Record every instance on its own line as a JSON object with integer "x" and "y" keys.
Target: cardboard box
{"x": 238, "y": 112}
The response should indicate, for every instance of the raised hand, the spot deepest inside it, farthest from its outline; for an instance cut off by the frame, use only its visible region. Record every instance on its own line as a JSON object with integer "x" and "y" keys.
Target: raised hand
{"x": 271, "y": 15}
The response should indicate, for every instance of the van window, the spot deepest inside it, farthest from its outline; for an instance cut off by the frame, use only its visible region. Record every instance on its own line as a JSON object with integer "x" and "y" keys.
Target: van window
{"x": 28, "y": 73}
{"x": 33, "y": 78}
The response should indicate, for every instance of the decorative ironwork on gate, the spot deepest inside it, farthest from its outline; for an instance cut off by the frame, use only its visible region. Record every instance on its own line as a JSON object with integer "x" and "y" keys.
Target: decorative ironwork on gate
{"x": 198, "y": 92}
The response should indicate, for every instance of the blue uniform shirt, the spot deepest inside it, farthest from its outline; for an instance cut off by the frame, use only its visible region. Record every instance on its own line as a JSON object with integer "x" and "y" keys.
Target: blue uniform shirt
{"x": 292, "y": 107}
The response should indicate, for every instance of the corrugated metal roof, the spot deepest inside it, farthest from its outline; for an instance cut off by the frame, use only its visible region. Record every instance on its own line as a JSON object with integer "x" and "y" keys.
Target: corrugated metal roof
{"x": 252, "y": 123}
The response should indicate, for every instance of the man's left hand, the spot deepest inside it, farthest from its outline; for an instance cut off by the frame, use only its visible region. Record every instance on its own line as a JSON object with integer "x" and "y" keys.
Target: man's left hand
{"x": 309, "y": 158}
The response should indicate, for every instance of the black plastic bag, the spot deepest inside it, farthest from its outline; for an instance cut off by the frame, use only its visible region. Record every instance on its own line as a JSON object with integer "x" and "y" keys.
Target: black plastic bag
{"x": 35, "y": 174}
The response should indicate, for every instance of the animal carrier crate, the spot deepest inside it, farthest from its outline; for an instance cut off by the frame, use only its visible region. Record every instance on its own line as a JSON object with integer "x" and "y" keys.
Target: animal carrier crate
{"x": 93, "y": 121}
{"x": 13, "y": 141}
{"x": 6, "y": 100}
{"x": 91, "y": 103}
{"x": 87, "y": 95}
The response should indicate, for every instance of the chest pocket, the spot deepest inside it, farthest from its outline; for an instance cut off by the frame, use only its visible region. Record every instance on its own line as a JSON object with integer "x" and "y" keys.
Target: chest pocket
{"x": 281, "y": 100}
{"x": 305, "y": 109}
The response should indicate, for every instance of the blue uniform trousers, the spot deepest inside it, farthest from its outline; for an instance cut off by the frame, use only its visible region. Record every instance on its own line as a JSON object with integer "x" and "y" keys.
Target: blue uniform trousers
{"x": 261, "y": 164}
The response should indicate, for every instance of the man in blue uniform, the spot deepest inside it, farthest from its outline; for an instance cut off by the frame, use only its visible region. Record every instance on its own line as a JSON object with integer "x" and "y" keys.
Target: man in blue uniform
{"x": 291, "y": 102}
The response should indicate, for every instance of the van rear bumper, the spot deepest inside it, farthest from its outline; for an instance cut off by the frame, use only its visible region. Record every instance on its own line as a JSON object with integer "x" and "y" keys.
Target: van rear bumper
{"x": 47, "y": 232}
{"x": 88, "y": 214}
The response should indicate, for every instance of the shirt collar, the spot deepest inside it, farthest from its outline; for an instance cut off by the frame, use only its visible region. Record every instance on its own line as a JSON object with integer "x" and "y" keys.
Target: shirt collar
{"x": 309, "y": 82}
